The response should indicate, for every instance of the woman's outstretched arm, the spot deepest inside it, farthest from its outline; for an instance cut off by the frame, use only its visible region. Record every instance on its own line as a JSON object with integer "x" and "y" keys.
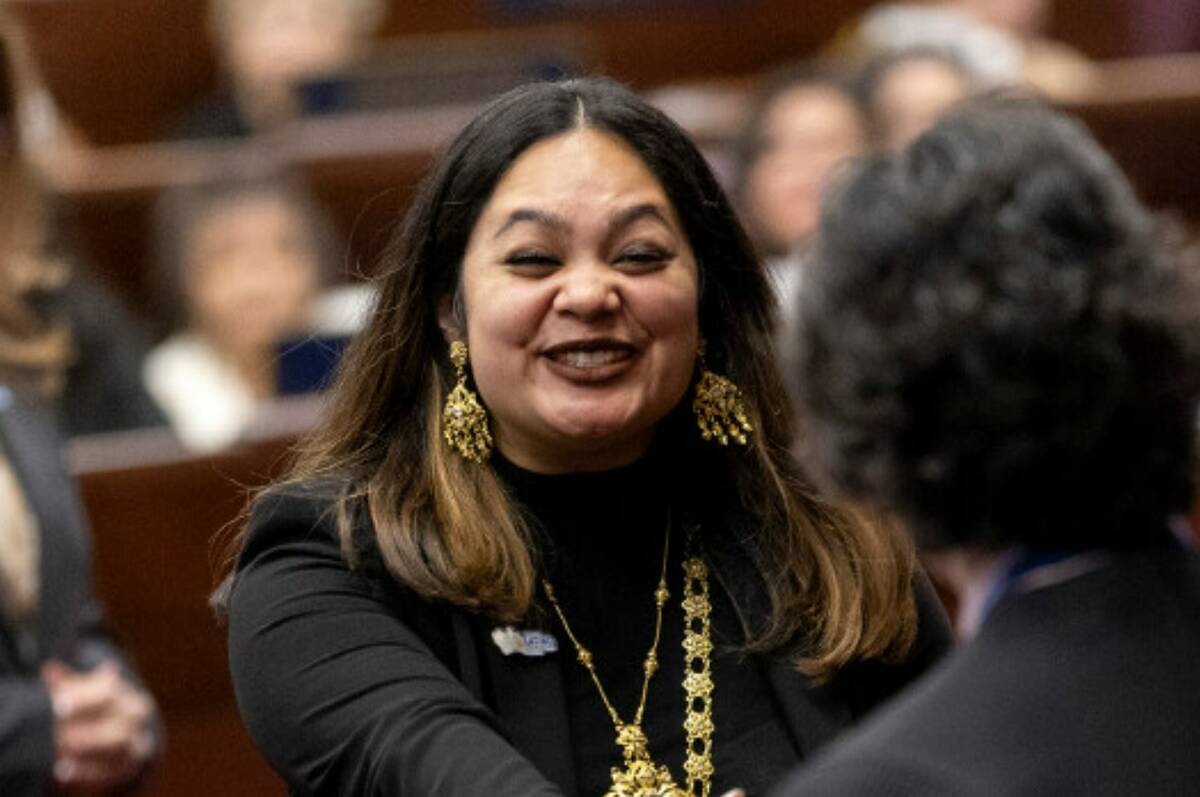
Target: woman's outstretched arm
{"x": 337, "y": 691}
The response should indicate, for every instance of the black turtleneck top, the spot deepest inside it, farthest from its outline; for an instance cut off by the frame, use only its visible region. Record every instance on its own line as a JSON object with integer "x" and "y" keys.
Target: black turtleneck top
{"x": 601, "y": 538}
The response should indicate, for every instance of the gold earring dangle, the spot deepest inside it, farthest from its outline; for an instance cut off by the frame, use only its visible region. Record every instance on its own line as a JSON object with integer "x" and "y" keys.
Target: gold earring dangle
{"x": 719, "y": 407}
{"x": 464, "y": 420}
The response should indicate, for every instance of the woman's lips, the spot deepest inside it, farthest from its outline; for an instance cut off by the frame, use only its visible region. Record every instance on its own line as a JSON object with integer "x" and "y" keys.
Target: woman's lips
{"x": 590, "y": 361}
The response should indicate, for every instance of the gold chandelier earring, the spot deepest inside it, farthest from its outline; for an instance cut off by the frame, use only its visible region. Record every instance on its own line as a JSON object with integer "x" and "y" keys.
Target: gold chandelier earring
{"x": 464, "y": 420}
{"x": 719, "y": 407}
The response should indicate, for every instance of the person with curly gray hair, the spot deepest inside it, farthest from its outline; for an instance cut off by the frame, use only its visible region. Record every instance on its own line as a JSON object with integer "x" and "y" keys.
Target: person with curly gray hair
{"x": 1001, "y": 346}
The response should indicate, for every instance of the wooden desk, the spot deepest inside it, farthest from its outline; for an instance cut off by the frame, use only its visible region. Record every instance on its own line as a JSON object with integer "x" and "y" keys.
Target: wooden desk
{"x": 158, "y": 515}
{"x": 123, "y": 70}
{"x": 364, "y": 167}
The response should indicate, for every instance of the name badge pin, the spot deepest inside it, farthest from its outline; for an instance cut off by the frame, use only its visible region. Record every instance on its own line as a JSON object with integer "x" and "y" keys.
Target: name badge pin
{"x": 523, "y": 642}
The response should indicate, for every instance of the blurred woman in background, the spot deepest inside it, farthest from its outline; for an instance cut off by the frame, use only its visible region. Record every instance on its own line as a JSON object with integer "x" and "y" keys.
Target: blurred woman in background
{"x": 805, "y": 122}
{"x": 267, "y": 48}
{"x": 241, "y": 262}
{"x": 87, "y": 360}
{"x": 73, "y": 718}
{"x": 905, "y": 92}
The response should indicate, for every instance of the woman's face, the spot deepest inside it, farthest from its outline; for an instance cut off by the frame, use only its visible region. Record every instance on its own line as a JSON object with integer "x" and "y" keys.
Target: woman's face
{"x": 912, "y": 96}
{"x": 580, "y": 291}
{"x": 250, "y": 273}
{"x": 278, "y": 42}
{"x": 806, "y": 133}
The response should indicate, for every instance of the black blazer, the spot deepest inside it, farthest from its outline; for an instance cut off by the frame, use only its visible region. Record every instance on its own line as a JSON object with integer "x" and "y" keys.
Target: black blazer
{"x": 69, "y": 626}
{"x": 350, "y": 684}
{"x": 1088, "y": 687}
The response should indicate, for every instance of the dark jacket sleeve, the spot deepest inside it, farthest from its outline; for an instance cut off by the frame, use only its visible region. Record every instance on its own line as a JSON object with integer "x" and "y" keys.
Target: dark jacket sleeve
{"x": 104, "y": 390}
{"x": 337, "y": 690}
{"x": 26, "y": 736}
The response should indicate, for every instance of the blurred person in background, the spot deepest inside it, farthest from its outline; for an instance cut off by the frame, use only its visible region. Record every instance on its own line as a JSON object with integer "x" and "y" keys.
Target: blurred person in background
{"x": 103, "y": 390}
{"x": 73, "y": 718}
{"x": 1000, "y": 41}
{"x": 267, "y": 47}
{"x": 97, "y": 384}
{"x": 241, "y": 263}
{"x": 1002, "y": 346}
{"x": 804, "y": 123}
{"x": 906, "y": 91}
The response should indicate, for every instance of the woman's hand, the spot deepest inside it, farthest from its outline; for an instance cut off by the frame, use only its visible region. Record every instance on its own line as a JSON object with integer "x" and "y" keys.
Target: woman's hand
{"x": 102, "y": 729}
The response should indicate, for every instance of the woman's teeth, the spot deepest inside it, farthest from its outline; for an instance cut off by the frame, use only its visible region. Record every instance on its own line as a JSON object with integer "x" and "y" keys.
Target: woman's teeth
{"x": 591, "y": 359}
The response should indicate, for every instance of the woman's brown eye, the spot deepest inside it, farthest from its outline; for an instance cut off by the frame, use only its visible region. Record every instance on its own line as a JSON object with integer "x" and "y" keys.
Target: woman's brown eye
{"x": 645, "y": 257}
{"x": 531, "y": 259}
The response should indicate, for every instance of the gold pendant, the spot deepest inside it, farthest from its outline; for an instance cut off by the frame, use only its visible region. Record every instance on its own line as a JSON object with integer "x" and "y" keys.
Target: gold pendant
{"x": 641, "y": 777}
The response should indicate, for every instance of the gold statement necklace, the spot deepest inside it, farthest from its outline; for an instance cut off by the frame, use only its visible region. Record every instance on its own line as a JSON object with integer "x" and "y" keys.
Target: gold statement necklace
{"x": 641, "y": 776}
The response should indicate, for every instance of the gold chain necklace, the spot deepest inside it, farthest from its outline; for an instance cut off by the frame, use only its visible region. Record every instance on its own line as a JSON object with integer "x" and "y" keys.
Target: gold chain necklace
{"x": 641, "y": 776}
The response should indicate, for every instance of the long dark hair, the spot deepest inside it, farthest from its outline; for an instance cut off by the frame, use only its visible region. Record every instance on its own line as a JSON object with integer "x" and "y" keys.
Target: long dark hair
{"x": 446, "y": 527}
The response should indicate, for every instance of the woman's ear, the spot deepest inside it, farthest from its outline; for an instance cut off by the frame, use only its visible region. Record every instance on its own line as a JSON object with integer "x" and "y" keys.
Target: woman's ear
{"x": 448, "y": 319}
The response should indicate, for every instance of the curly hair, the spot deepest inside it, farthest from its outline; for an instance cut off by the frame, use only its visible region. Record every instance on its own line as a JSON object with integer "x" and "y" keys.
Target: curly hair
{"x": 998, "y": 342}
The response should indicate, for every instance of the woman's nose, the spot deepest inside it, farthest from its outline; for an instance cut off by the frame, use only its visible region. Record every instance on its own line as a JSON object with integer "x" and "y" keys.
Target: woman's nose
{"x": 587, "y": 290}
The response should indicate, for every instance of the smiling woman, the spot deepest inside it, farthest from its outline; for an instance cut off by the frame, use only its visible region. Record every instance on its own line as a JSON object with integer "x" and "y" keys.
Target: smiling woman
{"x": 548, "y": 539}
{"x": 580, "y": 299}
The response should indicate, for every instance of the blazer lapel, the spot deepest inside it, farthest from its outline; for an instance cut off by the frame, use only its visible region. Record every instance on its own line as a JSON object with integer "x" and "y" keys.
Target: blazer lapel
{"x": 36, "y": 456}
{"x": 11, "y": 660}
{"x": 530, "y": 700}
{"x": 812, "y": 713}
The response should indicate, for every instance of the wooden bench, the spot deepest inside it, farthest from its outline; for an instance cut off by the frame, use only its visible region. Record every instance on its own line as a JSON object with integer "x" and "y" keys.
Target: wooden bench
{"x": 161, "y": 519}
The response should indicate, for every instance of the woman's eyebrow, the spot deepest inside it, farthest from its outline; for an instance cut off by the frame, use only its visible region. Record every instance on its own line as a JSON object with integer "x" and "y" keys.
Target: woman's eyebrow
{"x": 617, "y": 221}
{"x": 622, "y": 219}
{"x": 626, "y": 216}
{"x": 540, "y": 217}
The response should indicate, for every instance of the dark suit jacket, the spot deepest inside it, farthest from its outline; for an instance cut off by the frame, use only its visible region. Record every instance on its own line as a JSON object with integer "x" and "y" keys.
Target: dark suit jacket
{"x": 104, "y": 390}
{"x": 69, "y": 626}
{"x": 351, "y": 685}
{"x": 1088, "y": 687}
